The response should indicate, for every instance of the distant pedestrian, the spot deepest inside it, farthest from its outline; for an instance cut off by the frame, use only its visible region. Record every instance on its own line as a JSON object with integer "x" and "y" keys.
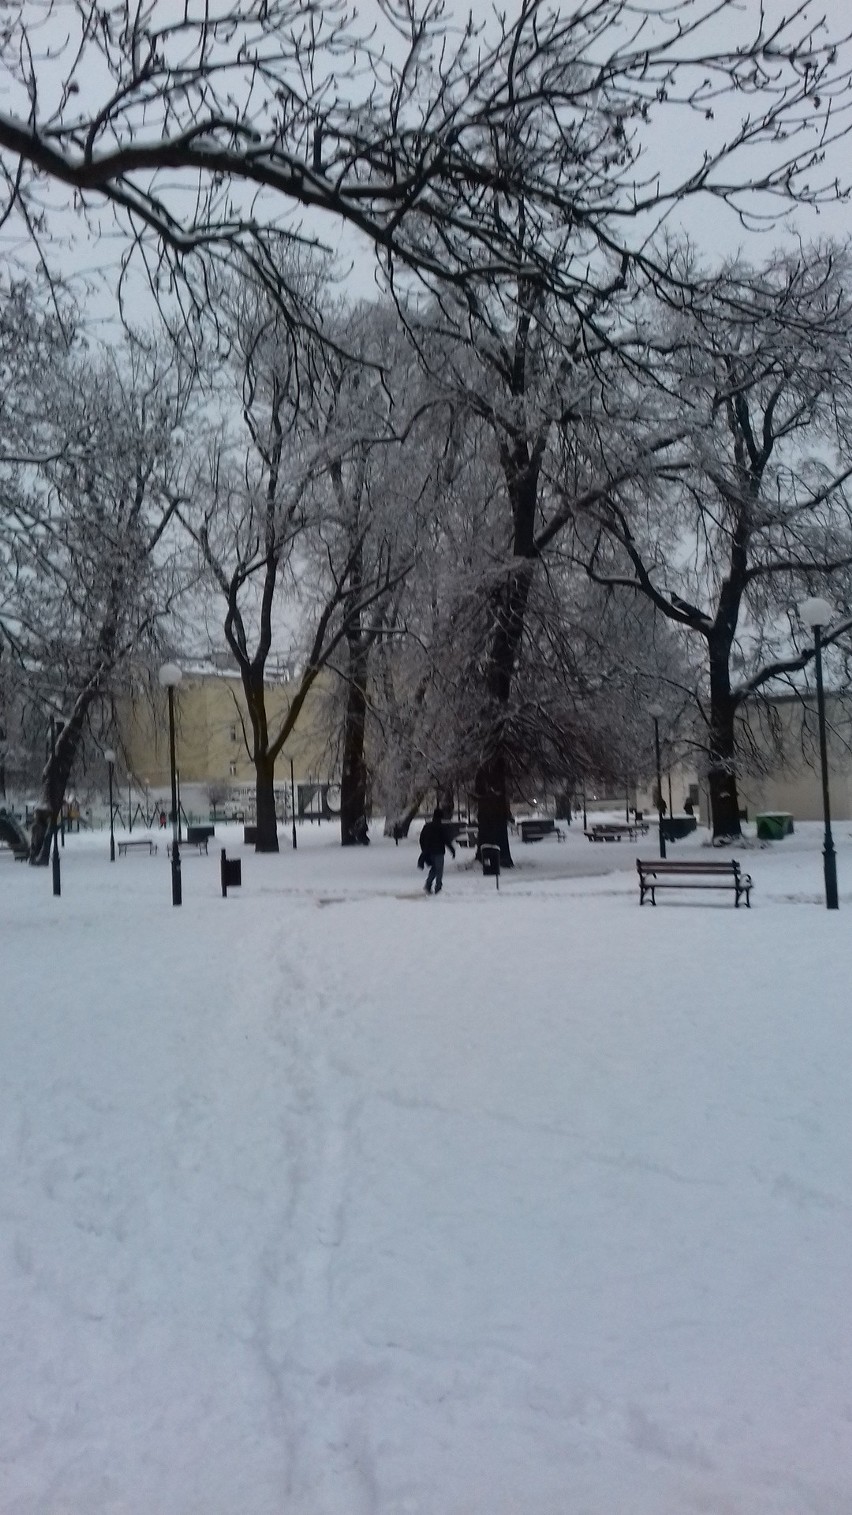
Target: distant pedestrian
{"x": 162, "y": 820}
{"x": 434, "y": 842}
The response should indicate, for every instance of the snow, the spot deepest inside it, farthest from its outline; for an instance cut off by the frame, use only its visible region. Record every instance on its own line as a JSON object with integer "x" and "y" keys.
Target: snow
{"x": 333, "y": 1199}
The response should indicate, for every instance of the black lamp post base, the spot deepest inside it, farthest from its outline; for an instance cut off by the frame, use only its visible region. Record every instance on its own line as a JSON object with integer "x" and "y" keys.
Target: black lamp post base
{"x": 830, "y": 868}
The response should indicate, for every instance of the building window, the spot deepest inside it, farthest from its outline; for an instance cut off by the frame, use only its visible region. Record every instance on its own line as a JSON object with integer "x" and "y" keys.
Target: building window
{"x": 233, "y": 732}
{"x": 232, "y": 768}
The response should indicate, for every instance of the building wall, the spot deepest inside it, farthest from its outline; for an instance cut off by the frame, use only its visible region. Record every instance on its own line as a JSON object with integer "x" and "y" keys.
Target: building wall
{"x": 785, "y": 744}
{"x": 793, "y": 783}
{"x": 209, "y": 739}
{"x": 680, "y": 781}
{"x": 211, "y": 747}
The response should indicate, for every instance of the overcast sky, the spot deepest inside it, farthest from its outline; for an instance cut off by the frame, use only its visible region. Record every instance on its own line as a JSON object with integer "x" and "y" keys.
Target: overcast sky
{"x": 675, "y": 144}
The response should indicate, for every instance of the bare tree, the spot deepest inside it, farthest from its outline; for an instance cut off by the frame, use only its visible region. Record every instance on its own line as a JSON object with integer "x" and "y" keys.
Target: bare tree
{"x": 203, "y": 127}
{"x": 86, "y": 537}
{"x": 281, "y": 519}
{"x": 752, "y": 510}
{"x": 535, "y": 377}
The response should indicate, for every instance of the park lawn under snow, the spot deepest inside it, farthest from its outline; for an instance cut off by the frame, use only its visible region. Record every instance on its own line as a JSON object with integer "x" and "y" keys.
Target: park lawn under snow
{"x": 332, "y": 1199}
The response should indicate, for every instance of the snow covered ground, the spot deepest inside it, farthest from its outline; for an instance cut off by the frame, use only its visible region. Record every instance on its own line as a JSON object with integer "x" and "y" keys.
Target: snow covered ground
{"x": 332, "y": 1199}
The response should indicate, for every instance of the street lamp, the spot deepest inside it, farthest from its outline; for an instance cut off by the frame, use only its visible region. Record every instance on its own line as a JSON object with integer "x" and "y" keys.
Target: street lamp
{"x": 293, "y": 804}
{"x": 55, "y": 730}
{"x": 110, "y": 758}
{"x": 656, "y": 713}
{"x": 816, "y": 614}
{"x": 170, "y": 676}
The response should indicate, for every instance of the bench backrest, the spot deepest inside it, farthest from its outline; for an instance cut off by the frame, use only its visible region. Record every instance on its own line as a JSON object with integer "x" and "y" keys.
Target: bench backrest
{"x": 663, "y": 865}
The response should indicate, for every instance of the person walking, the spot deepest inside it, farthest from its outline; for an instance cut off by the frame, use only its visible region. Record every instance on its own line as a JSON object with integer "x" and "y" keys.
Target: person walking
{"x": 433, "y": 845}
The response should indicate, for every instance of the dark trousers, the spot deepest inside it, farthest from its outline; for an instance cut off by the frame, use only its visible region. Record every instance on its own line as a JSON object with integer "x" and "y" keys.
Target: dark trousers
{"x": 436, "y": 873}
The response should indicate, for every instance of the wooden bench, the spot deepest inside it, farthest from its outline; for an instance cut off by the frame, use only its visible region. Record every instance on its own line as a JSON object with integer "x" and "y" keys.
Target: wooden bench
{"x": 662, "y": 873}
{"x": 144, "y": 841}
{"x": 198, "y": 845}
{"x": 615, "y": 831}
{"x": 534, "y": 831}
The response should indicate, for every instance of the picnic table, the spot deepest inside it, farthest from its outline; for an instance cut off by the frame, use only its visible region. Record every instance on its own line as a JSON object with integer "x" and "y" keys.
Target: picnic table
{"x": 467, "y": 838}
{"x": 542, "y": 826}
{"x": 616, "y": 831}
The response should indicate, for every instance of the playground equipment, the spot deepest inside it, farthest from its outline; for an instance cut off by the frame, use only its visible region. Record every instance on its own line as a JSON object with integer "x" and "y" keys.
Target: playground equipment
{"x": 12, "y": 832}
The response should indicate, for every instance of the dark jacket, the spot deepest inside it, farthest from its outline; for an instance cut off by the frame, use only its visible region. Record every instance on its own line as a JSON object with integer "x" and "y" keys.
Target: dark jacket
{"x": 433, "y": 840}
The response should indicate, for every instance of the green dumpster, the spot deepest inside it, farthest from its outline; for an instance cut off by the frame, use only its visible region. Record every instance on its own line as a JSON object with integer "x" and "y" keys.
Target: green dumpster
{"x": 773, "y": 825}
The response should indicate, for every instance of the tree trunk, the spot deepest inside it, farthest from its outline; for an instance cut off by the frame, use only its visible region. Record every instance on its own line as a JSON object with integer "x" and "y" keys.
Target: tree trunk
{"x": 266, "y": 820}
{"x": 354, "y": 777}
{"x": 40, "y": 836}
{"x": 398, "y": 825}
{"x": 509, "y": 608}
{"x": 492, "y": 807}
{"x": 266, "y": 838}
{"x": 54, "y": 782}
{"x": 491, "y": 785}
{"x": 721, "y": 774}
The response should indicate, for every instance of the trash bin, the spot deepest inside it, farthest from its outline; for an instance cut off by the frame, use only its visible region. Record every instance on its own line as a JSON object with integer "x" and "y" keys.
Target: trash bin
{"x": 231, "y": 871}
{"x": 489, "y": 856}
{"x": 773, "y": 825}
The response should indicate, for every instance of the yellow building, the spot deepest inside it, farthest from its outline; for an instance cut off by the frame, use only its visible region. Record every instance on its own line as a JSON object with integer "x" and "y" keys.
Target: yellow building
{"x": 785, "y": 736}
{"x": 779, "y": 768}
{"x": 212, "y": 733}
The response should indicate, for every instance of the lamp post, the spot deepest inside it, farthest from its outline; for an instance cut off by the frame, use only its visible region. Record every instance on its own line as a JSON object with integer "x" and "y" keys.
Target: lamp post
{"x": 656, "y": 713}
{"x": 293, "y": 804}
{"x": 170, "y": 677}
{"x": 54, "y": 859}
{"x": 816, "y": 614}
{"x": 110, "y": 757}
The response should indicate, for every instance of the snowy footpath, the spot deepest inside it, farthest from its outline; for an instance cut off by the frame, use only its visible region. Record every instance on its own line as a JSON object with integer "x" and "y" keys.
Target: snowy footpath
{"x": 333, "y": 1199}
